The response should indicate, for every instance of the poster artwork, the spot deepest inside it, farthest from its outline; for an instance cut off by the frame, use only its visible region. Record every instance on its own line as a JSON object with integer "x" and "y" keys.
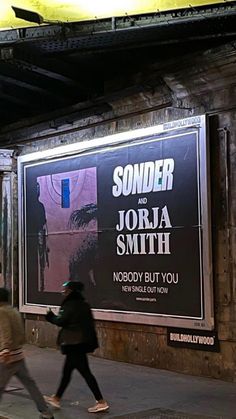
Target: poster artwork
{"x": 67, "y": 232}
{"x": 124, "y": 221}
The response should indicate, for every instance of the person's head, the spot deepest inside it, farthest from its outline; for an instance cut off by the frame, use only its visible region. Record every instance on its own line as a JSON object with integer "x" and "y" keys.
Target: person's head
{"x": 4, "y": 295}
{"x": 72, "y": 286}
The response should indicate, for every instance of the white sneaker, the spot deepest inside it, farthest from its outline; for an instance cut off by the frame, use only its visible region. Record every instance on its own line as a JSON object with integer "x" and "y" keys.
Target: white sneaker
{"x": 44, "y": 416}
{"x": 53, "y": 401}
{"x": 99, "y": 407}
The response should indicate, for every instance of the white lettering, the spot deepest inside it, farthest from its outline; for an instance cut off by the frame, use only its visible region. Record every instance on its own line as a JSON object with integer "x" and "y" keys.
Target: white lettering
{"x": 143, "y": 219}
{"x": 150, "y": 176}
{"x": 143, "y": 244}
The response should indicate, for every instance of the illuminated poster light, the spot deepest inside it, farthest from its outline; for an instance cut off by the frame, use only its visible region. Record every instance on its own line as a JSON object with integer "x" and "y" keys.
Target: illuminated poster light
{"x": 79, "y": 10}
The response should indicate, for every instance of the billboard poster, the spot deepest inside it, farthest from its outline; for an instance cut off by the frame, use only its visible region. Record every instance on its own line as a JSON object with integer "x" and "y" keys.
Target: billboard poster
{"x": 128, "y": 220}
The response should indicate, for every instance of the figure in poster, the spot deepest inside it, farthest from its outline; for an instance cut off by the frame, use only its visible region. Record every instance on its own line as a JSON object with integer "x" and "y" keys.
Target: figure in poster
{"x": 42, "y": 233}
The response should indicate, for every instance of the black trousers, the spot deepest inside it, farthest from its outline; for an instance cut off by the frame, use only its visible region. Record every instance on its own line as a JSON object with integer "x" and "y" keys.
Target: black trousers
{"x": 76, "y": 358}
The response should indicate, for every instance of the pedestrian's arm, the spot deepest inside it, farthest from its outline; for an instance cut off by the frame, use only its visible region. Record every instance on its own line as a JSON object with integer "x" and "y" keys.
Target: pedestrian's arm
{"x": 5, "y": 337}
{"x": 62, "y": 320}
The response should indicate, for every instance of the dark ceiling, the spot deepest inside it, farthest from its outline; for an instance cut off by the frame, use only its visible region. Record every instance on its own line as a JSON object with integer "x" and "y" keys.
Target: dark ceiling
{"x": 48, "y": 68}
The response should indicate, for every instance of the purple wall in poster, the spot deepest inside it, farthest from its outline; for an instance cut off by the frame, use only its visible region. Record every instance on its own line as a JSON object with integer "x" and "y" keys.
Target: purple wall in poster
{"x": 62, "y": 240}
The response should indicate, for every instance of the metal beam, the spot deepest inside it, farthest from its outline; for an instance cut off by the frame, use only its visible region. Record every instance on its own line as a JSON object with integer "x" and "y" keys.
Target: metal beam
{"x": 52, "y": 74}
{"x": 80, "y": 29}
{"x": 52, "y": 69}
{"x": 23, "y": 84}
{"x": 33, "y": 100}
{"x": 31, "y": 56}
{"x": 36, "y": 81}
{"x": 17, "y": 101}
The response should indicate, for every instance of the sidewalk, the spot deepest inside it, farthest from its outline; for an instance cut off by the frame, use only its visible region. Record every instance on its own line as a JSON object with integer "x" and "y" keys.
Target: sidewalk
{"x": 133, "y": 392}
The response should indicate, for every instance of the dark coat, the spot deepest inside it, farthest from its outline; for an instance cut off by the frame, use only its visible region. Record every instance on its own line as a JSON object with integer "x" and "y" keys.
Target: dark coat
{"x": 77, "y": 324}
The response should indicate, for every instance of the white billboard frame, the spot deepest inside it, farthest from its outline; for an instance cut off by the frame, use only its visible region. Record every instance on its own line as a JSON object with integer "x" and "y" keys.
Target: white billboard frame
{"x": 197, "y": 123}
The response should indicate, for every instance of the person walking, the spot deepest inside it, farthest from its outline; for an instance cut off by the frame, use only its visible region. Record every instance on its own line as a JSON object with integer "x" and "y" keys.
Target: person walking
{"x": 11, "y": 354}
{"x": 76, "y": 338}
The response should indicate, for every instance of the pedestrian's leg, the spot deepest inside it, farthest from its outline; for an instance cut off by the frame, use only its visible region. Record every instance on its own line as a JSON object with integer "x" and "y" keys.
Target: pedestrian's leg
{"x": 82, "y": 366}
{"x": 6, "y": 372}
{"x": 23, "y": 375}
{"x": 66, "y": 376}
